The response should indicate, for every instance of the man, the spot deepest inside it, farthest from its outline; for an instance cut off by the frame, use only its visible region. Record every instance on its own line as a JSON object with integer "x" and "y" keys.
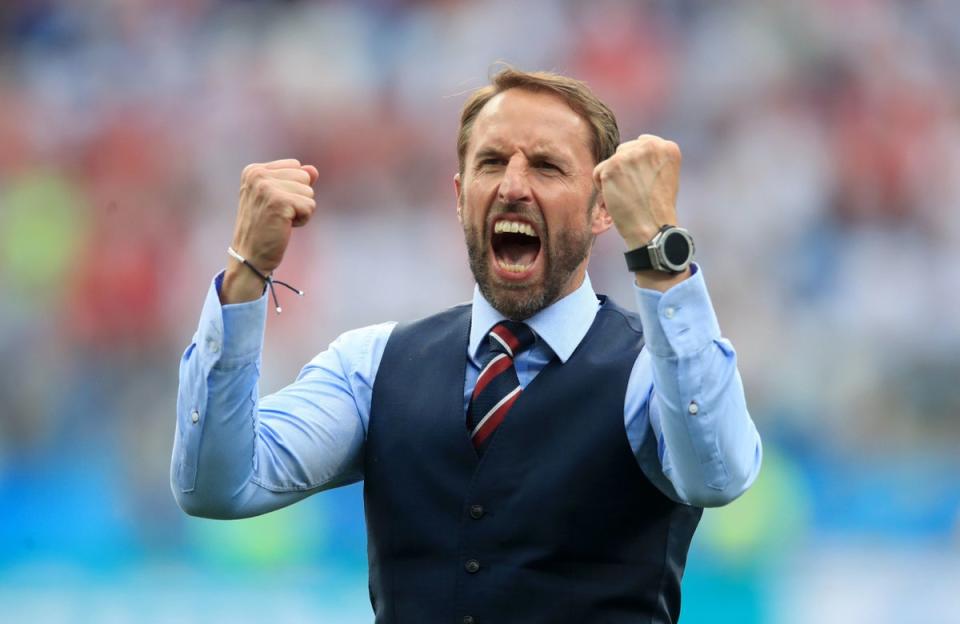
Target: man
{"x": 552, "y": 469}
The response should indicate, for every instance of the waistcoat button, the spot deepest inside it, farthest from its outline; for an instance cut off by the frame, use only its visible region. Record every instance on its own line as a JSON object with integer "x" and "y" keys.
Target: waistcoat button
{"x": 472, "y": 566}
{"x": 476, "y": 511}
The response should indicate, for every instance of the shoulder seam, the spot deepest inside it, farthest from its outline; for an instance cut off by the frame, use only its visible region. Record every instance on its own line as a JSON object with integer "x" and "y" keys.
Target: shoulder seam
{"x": 632, "y": 320}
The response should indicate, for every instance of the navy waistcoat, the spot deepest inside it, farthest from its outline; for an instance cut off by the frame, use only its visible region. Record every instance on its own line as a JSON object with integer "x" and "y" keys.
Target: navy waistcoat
{"x": 555, "y": 523}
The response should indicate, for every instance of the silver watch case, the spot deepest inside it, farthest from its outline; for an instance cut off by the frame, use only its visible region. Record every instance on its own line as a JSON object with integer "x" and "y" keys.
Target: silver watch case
{"x": 658, "y": 255}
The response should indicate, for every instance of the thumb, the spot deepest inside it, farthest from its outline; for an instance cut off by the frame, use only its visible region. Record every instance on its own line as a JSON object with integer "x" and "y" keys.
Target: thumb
{"x": 312, "y": 172}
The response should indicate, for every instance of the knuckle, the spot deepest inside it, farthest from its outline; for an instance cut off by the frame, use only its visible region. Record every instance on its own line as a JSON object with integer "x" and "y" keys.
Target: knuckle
{"x": 281, "y": 162}
{"x": 257, "y": 178}
{"x": 248, "y": 174}
{"x": 617, "y": 161}
{"x": 673, "y": 149}
{"x": 260, "y": 186}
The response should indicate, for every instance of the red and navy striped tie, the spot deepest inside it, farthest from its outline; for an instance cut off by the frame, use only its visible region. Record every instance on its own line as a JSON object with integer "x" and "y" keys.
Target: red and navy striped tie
{"x": 497, "y": 386}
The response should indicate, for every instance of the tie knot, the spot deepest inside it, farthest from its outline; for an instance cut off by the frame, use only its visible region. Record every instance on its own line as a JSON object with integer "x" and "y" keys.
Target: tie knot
{"x": 511, "y": 337}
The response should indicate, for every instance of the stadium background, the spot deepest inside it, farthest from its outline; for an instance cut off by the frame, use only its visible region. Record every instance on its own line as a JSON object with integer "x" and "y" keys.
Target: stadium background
{"x": 821, "y": 178}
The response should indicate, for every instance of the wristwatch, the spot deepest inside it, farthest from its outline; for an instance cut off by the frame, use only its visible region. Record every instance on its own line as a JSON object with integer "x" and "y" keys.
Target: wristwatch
{"x": 670, "y": 251}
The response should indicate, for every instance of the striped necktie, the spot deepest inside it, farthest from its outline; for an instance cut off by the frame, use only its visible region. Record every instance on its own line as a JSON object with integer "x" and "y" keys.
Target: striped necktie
{"x": 497, "y": 386}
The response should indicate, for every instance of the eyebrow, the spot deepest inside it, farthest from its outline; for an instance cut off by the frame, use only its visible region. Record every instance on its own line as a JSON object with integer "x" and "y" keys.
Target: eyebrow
{"x": 542, "y": 154}
{"x": 486, "y": 152}
{"x": 537, "y": 154}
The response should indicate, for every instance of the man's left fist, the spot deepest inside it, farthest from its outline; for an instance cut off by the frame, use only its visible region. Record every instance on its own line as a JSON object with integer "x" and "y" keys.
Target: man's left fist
{"x": 639, "y": 186}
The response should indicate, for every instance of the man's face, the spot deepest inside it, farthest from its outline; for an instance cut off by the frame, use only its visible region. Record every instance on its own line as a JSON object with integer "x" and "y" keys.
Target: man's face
{"x": 525, "y": 201}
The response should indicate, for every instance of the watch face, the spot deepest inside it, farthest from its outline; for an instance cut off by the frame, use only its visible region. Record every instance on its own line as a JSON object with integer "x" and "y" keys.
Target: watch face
{"x": 676, "y": 248}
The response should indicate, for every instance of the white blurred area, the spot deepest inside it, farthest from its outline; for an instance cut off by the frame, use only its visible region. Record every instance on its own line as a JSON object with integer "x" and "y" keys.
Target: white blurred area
{"x": 821, "y": 180}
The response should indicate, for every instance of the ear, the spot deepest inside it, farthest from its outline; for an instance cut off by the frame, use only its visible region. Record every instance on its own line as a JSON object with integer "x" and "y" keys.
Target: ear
{"x": 458, "y": 188}
{"x": 601, "y": 220}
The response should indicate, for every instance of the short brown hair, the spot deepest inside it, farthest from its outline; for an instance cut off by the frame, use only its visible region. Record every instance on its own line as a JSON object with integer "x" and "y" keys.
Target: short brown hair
{"x": 576, "y": 94}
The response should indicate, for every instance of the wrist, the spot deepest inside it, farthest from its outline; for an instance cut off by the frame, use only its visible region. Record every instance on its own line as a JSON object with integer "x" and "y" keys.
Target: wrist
{"x": 669, "y": 252}
{"x": 639, "y": 237}
{"x": 240, "y": 284}
{"x": 657, "y": 280}
{"x": 240, "y": 288}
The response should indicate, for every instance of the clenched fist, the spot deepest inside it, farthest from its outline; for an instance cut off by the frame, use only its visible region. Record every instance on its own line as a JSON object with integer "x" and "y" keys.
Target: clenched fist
{"x": 639, "y": 186}
{"x": 274, "y": 198}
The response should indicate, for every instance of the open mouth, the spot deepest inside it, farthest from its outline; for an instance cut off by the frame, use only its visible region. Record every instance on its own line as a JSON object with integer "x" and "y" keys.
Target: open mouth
{"x": 516, "y": 246}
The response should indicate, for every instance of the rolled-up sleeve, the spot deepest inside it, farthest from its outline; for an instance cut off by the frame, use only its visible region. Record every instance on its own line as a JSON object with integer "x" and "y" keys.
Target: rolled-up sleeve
{"x": 687, "y": 385}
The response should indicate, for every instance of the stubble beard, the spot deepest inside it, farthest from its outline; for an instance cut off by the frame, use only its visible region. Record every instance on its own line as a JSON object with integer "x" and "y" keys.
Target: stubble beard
{"x": 521, "y": 301}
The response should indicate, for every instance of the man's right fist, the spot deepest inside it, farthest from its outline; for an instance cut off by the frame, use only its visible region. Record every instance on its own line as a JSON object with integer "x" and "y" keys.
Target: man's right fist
{"x": 274, "y": 197}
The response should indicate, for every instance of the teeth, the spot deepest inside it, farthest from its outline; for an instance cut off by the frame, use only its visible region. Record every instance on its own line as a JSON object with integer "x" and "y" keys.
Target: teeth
{"x": 513, "y": 268}
{"x": 514, "y": 227}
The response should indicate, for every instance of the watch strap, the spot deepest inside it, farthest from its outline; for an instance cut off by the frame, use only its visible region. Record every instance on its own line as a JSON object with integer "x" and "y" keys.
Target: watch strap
{"x": 638, "y": 259}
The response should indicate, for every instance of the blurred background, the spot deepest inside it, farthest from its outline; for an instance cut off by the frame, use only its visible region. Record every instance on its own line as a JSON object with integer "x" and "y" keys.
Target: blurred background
{"x": 821, "y": 178}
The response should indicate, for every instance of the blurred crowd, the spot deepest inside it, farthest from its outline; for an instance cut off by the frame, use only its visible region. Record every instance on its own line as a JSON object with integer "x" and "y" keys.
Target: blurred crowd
{"x": 821, "y": 179}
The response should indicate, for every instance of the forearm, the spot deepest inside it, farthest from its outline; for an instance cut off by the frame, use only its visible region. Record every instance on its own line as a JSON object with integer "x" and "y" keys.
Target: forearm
{"x": 237, "y": 456}
{"x": 212, "y": 469}
{"x": 709, "y": 447}
{"x": 253, "y": 458}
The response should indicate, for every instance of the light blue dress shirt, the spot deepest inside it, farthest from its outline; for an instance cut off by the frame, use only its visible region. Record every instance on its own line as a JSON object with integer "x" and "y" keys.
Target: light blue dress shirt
{"x": 236, "y": 455}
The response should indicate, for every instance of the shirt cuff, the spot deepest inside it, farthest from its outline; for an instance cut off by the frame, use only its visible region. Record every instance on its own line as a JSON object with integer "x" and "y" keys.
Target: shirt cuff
{"x": 231, "y": 335}
{"x": 681, "y": 321}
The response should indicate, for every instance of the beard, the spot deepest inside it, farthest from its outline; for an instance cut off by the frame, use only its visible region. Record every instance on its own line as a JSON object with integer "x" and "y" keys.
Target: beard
{"x": 561, "y": 259}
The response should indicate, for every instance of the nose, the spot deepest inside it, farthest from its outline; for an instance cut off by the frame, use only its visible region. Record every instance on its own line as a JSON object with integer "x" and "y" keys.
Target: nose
{"x": 515, "y": 184}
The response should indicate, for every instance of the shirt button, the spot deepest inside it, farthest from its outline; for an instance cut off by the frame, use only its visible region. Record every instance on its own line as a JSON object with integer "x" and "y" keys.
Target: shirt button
{"x": 472, "y": 566}
{"x": 669, "y": 312}
{"x": 476, "y": 511}
{"x": 469, "y": 619}
{"x": 693, "y": 408}
{"x": 213, "y": 346}
{"x": 194, "y": 416}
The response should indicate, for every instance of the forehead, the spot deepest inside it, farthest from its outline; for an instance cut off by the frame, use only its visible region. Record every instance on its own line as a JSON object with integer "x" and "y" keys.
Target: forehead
{"x": 523, "y": 119}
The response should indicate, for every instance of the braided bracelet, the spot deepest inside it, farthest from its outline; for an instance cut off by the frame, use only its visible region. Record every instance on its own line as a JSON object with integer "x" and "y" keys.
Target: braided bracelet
{"x": 268, "y": 281}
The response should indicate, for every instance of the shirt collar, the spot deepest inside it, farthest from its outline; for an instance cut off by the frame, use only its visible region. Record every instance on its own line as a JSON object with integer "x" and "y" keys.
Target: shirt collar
{"x": 561, "y": 325}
